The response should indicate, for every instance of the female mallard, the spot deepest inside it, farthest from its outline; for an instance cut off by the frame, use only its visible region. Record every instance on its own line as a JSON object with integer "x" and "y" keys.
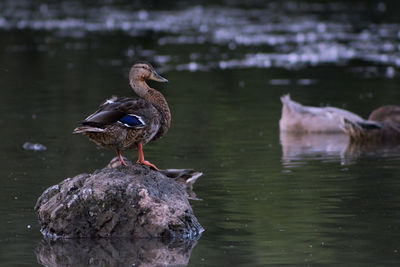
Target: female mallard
{"x": 389, "y": 113}
{"x": 124, "y": 122}
{"x": 382, "y": 126}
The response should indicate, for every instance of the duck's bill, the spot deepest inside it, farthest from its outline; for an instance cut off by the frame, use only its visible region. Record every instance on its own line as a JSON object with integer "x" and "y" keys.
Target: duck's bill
{"x": 157, "y": 77}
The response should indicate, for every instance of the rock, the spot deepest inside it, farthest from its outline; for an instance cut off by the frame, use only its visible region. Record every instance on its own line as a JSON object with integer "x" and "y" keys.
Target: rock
{"x": 113, "y": 252}
{"x": 132, "y": 201}
{"x": 186, "y": 177}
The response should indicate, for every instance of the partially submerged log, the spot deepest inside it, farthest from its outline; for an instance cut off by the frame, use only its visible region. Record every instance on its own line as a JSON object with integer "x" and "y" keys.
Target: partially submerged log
{"x": 118, "y": 201}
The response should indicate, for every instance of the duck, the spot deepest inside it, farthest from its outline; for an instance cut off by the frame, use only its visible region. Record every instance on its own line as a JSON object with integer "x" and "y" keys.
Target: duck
{"x": 298, "y": 118}
{"x": 122, "y": 123}
{"x": 388, "y": 113}
{"x": 382, "y": 125}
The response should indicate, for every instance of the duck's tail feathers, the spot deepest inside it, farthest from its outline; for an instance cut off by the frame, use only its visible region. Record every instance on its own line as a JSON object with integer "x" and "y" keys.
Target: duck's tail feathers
{"x": 86, "y": 129}
{"x": 289, "y": 103}
{"x": 295, "y": 107}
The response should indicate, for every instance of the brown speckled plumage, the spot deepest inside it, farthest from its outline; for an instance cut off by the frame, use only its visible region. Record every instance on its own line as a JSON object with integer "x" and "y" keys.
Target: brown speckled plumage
{"x": 373, "y": 133}
{"x": 382, "y": 127}
{"x": 126, "y": 123}
{"x": 389, "y": 113}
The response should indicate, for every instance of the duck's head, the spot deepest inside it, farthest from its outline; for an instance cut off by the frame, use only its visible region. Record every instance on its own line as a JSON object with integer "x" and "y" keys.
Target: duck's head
{"x": 142, "y": 71}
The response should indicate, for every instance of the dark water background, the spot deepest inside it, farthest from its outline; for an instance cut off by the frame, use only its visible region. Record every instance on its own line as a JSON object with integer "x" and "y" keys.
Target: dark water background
{"x": 266, "y": 199}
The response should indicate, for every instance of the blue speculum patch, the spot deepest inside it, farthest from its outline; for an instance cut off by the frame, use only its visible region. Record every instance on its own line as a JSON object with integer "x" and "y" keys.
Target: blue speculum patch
{"x": 130, "y": 120}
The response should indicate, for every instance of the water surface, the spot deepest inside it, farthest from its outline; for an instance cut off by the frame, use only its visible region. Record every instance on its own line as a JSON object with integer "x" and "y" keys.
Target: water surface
{"x": 266, "y": 199}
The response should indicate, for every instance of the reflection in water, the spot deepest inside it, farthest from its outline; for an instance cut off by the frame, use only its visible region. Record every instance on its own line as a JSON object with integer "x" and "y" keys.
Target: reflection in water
{"x": 113, "y": 252}
{"x": 354, "y": 151}
{"x": 296, "y": 148}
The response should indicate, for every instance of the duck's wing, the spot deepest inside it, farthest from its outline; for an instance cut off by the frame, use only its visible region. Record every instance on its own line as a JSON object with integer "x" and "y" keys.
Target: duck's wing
{"x": 127, "y": 112}
{"x": 372, "y": 132}
{"x": 352, "y": 126}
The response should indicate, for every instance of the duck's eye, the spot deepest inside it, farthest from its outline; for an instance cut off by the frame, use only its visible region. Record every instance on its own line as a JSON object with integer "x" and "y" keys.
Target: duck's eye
{"x": 144, "y": 67}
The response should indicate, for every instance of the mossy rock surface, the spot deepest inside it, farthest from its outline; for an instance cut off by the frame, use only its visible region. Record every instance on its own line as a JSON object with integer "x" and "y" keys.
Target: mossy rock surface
{"x": 132, "y": 201}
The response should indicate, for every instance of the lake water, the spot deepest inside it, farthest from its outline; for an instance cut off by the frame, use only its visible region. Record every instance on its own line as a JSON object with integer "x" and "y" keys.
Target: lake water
{"x": 267, "y": 198}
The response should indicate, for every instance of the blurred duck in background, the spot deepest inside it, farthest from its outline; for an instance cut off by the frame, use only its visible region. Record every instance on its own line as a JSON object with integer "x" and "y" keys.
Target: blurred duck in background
{"x": 382, "y": 126}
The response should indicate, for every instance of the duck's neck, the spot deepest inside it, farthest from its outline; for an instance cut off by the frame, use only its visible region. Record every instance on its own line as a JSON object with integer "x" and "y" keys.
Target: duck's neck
{"x": 141, "y": 88}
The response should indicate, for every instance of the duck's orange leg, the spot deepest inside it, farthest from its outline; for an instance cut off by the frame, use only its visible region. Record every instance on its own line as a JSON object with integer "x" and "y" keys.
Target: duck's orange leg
{"x": 120, "y": 158}
{"x": 141, "y": 158}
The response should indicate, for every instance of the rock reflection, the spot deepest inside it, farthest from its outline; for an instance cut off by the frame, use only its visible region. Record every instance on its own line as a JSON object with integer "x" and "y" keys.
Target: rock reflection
{"x": 113, "y": 252}
{"x": 298, "y": 148}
